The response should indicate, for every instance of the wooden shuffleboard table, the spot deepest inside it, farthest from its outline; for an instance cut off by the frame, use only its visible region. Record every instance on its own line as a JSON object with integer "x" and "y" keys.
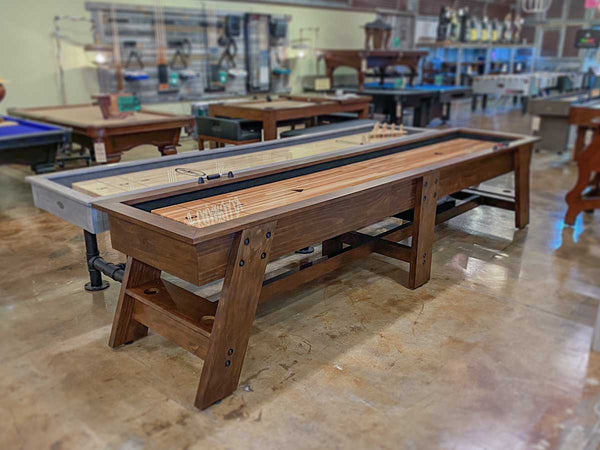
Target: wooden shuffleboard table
{"x": 287, "y": 108}
{"x": 107, "y": 139}
{"x": 231, "y": 228}
{"x": 70, "y": 195}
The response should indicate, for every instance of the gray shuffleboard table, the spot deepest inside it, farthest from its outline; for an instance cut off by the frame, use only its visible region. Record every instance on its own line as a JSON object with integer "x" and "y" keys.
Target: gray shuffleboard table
{"x": 553, "y": 111}
{"x": 70, "y": 195}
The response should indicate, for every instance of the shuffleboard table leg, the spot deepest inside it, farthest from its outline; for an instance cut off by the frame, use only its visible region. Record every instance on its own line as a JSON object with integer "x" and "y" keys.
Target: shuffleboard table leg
{"x": 126, "y": 329}
{"x": 522, "y": 160}
{"x": 235, "y": 314}
{"x": 423, "y": 230}
{"x": 91, "y": 251}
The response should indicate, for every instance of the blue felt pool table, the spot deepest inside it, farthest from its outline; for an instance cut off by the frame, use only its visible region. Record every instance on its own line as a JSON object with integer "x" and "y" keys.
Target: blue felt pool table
{"x": 32, "y": 143}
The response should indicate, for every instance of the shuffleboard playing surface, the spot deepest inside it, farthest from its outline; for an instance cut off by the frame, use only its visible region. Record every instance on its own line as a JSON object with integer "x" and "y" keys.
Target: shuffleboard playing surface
{"x": 187, "y": 172}
{"x": 221, "y": 208}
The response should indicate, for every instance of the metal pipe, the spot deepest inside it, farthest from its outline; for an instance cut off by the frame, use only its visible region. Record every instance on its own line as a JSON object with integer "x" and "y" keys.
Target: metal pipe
{"x": 114, "y": 271}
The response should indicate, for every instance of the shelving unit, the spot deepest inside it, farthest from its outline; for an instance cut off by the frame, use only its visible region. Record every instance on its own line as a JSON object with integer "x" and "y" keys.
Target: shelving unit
{"x": 456, "y": 63}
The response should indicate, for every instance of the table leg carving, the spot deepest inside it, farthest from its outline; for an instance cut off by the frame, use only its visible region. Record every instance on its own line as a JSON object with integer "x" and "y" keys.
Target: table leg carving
{"x": 235, "y": 314}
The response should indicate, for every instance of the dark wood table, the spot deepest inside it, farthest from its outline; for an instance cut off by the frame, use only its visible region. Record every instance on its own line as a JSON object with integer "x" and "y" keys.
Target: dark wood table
{"x": 290, "y": 108}
{"x": 581, "y": 115}
{"x": 363, "y": 60}
{"x": 232, "y": 227}
{"x": 585, "y": 195}
{"x": 428, "y": 101}
{"x": 111, "y": 137}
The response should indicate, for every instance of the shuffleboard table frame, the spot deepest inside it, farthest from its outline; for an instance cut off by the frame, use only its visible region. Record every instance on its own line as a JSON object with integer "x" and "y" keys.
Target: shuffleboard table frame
{"x": 163, "y": 133}
{"x": 238, "y": 250}
{"x": 271, "y": 116}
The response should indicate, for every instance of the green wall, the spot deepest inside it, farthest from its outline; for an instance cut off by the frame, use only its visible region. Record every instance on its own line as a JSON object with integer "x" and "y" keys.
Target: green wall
{"x": 28, "y": 50}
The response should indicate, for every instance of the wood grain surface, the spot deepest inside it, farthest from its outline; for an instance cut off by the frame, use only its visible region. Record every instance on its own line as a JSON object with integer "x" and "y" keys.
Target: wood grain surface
{"x": 221, "y": 208}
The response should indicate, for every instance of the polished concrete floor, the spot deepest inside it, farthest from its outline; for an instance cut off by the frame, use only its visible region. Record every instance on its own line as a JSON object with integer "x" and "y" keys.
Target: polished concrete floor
{"x": 493, "y": 353}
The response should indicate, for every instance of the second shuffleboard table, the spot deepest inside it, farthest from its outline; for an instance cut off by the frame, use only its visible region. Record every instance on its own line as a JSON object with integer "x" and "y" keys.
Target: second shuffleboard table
{"x": 290, "y": 108}
{"x": 107, "y": 139}
{"x": 582, "y": 115}
{"x": 231, "y": 229}
{"x": 553, "y": 112}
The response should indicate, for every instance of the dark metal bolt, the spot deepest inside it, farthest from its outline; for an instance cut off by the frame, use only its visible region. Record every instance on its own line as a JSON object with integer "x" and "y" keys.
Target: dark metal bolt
{"x": 424, "y": 198}
{"x": 263, "y": 256}
{"x": 242, "y": 263}
{"x": 268, "y": 234}
{"x": 246, "y": 241}
{"x": 227, "y": 363}
{"x": 230, "y": 352}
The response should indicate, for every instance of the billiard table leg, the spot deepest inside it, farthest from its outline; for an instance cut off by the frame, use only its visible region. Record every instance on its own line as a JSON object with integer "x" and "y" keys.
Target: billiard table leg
{"x": 91, "y": 252}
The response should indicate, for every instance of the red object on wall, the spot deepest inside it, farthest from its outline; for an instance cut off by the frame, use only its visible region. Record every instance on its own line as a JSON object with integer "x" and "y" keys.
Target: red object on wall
{"x": 2, "y": 92}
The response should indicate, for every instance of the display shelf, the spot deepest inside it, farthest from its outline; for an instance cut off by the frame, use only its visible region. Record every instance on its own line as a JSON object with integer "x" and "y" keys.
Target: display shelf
{"x": 465, "y": 60}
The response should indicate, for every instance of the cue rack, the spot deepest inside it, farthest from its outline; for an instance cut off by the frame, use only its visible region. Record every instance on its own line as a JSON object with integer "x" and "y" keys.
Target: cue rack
{"x": 196, "y": 39}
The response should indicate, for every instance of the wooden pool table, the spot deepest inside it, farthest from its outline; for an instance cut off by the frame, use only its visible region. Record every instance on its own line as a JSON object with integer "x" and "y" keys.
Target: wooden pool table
{"x": 107, "y": 139}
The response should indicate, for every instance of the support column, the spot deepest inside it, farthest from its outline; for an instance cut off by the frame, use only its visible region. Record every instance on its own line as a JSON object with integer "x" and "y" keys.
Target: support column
{"x": 91, "y": 251}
